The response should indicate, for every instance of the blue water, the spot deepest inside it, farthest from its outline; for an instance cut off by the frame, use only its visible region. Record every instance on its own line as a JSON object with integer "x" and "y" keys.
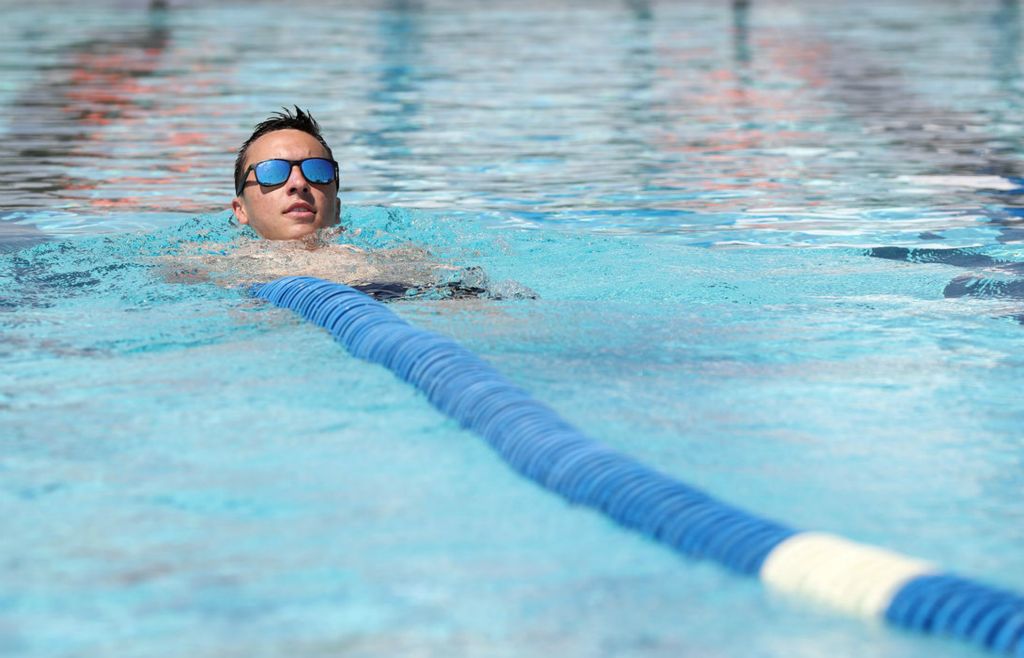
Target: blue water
{"x": 693, "y": 190}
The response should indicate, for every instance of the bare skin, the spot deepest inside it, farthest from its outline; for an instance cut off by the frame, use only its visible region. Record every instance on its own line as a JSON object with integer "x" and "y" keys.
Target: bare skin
{"x": 296, "y": 208}
{"x": 246, "y": 261}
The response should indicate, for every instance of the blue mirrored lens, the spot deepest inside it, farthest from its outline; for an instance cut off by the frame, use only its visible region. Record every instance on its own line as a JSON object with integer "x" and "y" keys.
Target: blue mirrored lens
{"x": 318, "y": 170}
{"x": 275, "y": 172}
{"x": 272, "y": 172}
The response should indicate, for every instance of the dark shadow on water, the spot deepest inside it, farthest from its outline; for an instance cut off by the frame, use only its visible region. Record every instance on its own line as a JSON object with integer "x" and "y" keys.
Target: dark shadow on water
{"x": 969, "y": 285}
{"x": 957, "y": 257}
{"x": 741, "y": 31}
{"x": 389, "y": 292}
{"x": 640, "y": 9}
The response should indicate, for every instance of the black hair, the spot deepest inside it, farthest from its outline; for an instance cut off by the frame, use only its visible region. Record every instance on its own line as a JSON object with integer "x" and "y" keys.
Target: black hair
{"x": 285, "y": 120}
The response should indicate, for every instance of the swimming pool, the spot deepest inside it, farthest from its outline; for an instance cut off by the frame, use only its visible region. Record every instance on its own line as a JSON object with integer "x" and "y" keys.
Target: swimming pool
{"x": 693, "y": 191}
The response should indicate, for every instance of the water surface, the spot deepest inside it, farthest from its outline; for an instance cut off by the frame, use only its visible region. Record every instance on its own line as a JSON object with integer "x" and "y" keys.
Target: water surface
{"x": 776, "y": 250}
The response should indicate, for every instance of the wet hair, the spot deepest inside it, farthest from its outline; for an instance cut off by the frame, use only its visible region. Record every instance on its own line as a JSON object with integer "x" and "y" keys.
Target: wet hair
{"x": 286, "y": 120}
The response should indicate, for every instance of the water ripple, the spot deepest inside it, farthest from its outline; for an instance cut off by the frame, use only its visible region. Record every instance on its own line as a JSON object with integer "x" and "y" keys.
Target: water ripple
{"x": 635, "y": 117}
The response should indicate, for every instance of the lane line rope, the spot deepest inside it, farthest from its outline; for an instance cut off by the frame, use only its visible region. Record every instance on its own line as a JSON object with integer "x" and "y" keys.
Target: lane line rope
{"x": 535, "y": 441}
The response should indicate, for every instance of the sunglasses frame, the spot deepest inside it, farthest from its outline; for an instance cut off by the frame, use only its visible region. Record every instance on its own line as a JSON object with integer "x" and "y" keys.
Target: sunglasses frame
{"x": 291, "y": 165}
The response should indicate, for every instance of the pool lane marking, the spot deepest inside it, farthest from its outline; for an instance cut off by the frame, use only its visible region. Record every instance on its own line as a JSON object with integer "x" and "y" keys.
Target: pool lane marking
{"x": 856, "y": 578}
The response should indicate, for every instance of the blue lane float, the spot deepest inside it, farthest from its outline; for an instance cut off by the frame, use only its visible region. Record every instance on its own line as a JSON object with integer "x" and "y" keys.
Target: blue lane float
{"x": 534, "y": 440}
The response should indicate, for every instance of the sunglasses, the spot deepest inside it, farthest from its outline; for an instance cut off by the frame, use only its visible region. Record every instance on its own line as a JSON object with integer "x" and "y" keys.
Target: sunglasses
{"x": 276, "y": 171}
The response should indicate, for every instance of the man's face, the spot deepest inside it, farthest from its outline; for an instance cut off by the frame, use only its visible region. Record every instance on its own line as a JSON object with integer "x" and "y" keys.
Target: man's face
{"x": 296, "y": 207}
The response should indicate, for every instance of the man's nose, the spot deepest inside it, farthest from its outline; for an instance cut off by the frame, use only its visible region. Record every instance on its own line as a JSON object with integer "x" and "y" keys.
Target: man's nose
{"x": 296, "y": 181}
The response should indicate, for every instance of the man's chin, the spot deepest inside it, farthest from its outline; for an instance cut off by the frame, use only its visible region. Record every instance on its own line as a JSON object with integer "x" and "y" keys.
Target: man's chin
{"x": 294, "y": 231}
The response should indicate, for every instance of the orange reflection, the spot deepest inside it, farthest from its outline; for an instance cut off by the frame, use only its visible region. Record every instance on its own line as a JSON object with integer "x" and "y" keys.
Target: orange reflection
{"x": 119, "y": 80}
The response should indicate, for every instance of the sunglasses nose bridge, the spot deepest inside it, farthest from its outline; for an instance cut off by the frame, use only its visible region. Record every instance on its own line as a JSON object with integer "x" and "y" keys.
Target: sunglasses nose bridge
{"x": 296, "y": 179}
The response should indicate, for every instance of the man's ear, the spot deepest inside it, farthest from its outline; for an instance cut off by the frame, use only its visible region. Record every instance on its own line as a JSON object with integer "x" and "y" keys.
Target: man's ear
{"x": 239, "y": 209}
{"x": 337, "y": 210}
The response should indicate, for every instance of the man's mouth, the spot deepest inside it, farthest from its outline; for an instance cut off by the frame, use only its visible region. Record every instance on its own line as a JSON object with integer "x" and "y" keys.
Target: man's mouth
{"x": 300, "y": 210}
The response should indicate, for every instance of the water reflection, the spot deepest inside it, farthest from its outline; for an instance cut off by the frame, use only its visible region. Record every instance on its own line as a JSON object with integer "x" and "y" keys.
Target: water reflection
{"x": 638, "y": 95}
{"x": 973, "y": 155}
{"x": 871, "y": 87}
{"x": 630, "y": 115}
{"x": 62, "y": 119}
{"x": 1006, "y": 46}
{"x": 394, "y": 99}
{"x": 1008, "y": 213}
{"x": 16, "y": 235}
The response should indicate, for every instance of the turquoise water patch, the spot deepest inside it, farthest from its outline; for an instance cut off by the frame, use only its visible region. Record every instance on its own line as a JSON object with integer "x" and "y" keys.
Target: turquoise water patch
{"x": 775, "y": 251}
{"x": 215, "y": 463}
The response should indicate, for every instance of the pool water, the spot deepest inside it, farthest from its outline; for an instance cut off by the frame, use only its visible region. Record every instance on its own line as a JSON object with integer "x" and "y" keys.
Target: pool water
{"x": 777, "y": 255}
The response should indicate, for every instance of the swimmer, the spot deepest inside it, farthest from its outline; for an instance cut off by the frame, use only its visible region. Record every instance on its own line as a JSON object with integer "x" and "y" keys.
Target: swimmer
{"x": 286, "y": 179}
{"x": 286, "y": 191}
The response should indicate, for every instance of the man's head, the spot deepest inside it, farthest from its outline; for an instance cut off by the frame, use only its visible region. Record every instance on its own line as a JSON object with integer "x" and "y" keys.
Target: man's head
{"x": 286, "y": 201}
